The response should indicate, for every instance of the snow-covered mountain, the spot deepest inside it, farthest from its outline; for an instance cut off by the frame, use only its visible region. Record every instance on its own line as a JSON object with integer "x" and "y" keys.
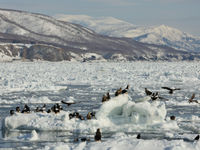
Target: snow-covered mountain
{"x": 162, "y": 35}
{"x": 25, "y": 35}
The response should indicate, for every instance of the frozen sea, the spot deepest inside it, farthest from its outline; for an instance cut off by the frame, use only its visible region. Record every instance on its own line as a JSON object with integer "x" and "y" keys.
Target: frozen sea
{"x": 120, "y": 120}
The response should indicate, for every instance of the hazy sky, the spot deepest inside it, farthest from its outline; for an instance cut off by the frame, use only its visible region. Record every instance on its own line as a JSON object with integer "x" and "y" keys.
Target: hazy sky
{"x": 181, "y": 14}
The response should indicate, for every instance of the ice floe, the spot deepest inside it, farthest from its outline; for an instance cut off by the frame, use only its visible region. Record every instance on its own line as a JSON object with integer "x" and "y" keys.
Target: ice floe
{"x": 118, "y": 114}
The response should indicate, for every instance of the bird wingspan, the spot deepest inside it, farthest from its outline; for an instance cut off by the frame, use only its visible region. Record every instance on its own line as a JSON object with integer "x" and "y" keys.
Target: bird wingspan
{"x": 164, "y": 87}
{"x": 193, "y": 96}
{"x": 68, "y": 103}
{"x": 148, "y": 92}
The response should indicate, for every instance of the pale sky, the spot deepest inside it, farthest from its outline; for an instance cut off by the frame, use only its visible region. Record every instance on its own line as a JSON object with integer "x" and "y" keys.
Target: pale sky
{"x": 181, "y": 14}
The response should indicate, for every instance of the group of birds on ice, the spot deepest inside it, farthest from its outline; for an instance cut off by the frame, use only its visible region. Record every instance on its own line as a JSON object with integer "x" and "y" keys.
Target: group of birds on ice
{"x": 91, "y": 115}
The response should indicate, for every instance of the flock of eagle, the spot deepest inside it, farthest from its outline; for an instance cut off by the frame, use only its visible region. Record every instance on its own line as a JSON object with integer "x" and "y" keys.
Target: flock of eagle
{"x": 91, "y": 115}
{"x": 154, "y": 95}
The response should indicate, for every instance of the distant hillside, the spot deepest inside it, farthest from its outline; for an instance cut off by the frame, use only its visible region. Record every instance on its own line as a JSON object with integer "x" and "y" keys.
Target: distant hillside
{"x": 30, "y": 36}
{"x": 161, "y": 35}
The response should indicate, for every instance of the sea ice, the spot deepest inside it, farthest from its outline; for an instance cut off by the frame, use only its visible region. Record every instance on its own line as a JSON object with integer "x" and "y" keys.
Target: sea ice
{"x": 85, "y": 83}
{"x": 119, "y": 113}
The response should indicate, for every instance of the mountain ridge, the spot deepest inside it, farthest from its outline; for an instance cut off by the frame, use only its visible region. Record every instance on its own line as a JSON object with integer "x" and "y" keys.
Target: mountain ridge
{"x": 161, "y": 35}
{"x": 30, "y": 36}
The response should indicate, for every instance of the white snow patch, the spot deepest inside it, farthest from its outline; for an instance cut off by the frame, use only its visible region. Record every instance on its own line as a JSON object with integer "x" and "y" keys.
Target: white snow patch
{"x": 4, "y": 58}
{"x": 129, "y": 143}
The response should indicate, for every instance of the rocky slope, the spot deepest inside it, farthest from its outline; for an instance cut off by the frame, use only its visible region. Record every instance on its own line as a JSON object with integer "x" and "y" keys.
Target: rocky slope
{"x": 30, "y": 36}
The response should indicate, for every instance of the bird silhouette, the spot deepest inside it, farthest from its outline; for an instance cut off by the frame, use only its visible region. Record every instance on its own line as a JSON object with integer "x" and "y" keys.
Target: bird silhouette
{"x": 97, "y": 136}
{"x": 89, "y": 116}
{"x": 154, "y": 96}
{"x": 196, "y": 138}
{"x": 191, "y": 100}
{"x": 106, "y": 97}
{"x": 171, "y": 91}
{"x": 68, "y": 103}
{"x": 125, "y": 90}
{"x": 172, "y": 117}
{"x": 12, "y": 112}
{"x": 148, "y": 92}
{"x": 118, "y": 92}
{"x": 138, "y": 136}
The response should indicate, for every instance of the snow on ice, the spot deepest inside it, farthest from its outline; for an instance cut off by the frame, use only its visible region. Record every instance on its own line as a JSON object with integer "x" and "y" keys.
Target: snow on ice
{"x": 129, "y": 113}
{"x": 117, "y": 112}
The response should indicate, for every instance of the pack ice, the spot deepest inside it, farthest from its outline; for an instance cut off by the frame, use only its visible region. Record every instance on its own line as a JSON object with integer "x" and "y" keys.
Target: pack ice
{"x": 121, "y": 113}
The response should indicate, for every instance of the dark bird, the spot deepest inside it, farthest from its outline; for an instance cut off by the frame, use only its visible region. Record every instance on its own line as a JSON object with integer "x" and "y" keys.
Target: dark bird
{"x": 93, "y": 115}
{"x": 118, "y": 92}
{"x": 172, "y": 117}
{"x": 83, "y": 139}
{"x": 49, "y": 111}
{"x": 138, "y": 136}
{"x": 71, "y": 116}
{"x": 37, "y": 109}
{"x": 97, "y": 136}
{"x": 58, "y": 106}
{"x": 148, "y": 92}
{"x": 125, "y": 90}
{"x": 26, "y": 109}
{"x": 81, "y": 117}
{"x": 68, "y": 103}
{"x": 171, "y": 91}
{"x": 12, "y": 112}
{"x": 43, "y": 108}
{"x": 191, "y": 99}
{"x": 196, "y": 138}
{"x": 17, "y": 109}
{"x": 89, "y": 116}
{"x": 154, "y": 96}
{"x": 55, "y": 108}
{"x": 76, "y": 114}
{"x": 106, "y": 97}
